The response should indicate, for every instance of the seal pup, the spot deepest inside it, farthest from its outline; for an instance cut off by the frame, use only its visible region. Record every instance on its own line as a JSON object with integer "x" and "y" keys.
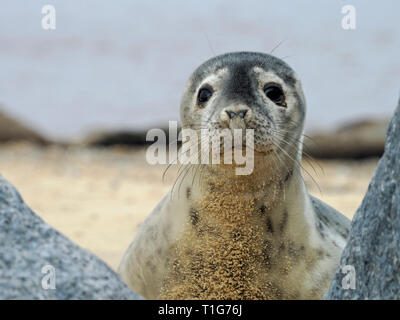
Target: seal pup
{"x": 220, "y": 235}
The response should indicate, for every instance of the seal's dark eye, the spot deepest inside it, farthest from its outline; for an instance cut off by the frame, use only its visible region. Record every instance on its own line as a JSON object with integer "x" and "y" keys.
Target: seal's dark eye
{"x": 275, "y": 93}
{"x": 204, "y": 95}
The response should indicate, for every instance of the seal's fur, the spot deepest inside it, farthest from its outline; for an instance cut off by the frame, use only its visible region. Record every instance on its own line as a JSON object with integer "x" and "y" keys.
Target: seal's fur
{"x": 256, "y": 236}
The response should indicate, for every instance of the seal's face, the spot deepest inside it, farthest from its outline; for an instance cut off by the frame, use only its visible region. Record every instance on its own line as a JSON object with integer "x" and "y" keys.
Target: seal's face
{"x": 247, "y": 90}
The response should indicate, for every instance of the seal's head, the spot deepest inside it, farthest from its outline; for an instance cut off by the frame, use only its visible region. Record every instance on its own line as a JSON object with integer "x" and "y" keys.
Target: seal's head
{"x": 247, "y": 90}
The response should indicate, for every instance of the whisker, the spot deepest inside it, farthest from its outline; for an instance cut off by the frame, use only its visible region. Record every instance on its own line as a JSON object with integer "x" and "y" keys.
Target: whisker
{"x": 301, "y": 166}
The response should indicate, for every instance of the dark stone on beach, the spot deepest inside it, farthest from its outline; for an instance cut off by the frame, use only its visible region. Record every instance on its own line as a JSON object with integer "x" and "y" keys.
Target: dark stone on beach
{"x": 374, "y": 244}
{"x": 354, "y": 141}
{"x": 117, "y": 138}
{"x": 31, "y": 252}
{"x": 12, "y": 130}
{"x": 129, "y": 138}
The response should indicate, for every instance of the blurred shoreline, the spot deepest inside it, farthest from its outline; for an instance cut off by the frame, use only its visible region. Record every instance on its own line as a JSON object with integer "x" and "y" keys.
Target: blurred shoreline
{"x": 355, "y": 140}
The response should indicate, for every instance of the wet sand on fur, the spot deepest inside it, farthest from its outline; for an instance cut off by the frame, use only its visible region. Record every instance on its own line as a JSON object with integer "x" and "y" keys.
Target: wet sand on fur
{"x": 98, "y": 197}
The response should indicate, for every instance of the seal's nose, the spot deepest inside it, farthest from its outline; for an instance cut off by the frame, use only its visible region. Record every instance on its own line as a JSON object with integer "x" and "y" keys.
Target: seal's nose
{"x": 239, "y": 112}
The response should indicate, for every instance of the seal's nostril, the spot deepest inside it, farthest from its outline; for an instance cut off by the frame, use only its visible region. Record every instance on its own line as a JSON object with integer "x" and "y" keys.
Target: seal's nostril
{"x": 242, "y": 113}
{"x": 231, "y": 114}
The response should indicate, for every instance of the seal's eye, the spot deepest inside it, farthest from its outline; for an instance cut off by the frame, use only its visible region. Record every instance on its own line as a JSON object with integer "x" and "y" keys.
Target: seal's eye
{"x": 275, "y": 93}
{"x": 204, "y": 95}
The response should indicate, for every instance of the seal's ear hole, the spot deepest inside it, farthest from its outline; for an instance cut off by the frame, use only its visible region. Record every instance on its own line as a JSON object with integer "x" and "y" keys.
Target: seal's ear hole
{"x": 204, "y": 94}
{"x": 274, "y": 92}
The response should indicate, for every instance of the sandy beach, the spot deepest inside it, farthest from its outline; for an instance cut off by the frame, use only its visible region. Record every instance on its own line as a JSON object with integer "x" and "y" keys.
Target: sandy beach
{"x": 98, "y": 197}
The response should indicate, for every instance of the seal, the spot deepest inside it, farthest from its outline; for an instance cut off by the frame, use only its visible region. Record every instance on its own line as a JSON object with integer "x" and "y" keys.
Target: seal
{"x": 220, "y": 235}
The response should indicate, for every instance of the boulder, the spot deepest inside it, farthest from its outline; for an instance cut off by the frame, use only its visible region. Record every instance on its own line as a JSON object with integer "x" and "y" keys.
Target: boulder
{"x": 371, "y": 258}
{"x": 37, "y": 262}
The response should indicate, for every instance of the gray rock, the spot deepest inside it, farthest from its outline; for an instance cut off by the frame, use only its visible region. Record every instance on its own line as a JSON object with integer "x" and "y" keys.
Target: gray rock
{"x": 374, "y": 245}
{"x": 27, "y": 244}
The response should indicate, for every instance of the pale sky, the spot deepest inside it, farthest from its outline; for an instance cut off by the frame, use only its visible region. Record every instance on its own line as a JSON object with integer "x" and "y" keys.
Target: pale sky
{"x": 123, "y": 64}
